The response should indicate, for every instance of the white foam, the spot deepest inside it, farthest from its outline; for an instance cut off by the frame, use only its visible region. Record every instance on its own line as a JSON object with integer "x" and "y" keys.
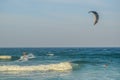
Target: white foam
{"x": 31, "y": 56}
{"x": 5, "y": 57}
{"x": 50, "y": 54}
{"x": 51, "y": 67}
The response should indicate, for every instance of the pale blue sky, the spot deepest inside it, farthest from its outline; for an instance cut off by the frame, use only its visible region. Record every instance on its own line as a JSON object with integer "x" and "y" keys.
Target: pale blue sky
{"x": 59, "y": 23}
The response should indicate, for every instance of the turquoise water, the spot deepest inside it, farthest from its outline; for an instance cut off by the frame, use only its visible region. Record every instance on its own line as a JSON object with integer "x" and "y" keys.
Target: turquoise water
{"x": 61, "y": 64}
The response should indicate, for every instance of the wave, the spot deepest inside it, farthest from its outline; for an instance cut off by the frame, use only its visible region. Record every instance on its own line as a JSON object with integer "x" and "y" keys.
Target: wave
{"x": 5, "y": 57}
{"x": 63, "y": 66}
{"x": 50, "y": 54}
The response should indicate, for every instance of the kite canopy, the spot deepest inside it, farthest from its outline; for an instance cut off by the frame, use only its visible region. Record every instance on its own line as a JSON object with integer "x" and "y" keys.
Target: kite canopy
{"x": 96, "y": 16}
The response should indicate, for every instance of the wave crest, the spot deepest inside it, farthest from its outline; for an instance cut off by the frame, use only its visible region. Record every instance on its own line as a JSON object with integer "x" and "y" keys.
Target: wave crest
{"x": 64, "y": 66}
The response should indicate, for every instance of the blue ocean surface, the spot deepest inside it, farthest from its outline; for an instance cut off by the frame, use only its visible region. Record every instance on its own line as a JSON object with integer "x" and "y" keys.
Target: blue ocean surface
{"x": 60, "y": 64}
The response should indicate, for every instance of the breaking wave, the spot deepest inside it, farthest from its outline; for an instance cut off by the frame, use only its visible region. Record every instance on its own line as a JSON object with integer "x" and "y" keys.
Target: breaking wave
{"x": 63, "y": 66}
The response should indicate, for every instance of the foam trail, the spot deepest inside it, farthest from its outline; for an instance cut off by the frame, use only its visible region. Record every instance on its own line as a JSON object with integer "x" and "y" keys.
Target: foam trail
{"x": 64, "y": 66}
{"x": 31, "y": 56}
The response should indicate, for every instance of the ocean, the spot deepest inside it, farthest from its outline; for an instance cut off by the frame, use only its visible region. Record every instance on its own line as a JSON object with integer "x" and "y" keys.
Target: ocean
{"x": 60, "y": 64}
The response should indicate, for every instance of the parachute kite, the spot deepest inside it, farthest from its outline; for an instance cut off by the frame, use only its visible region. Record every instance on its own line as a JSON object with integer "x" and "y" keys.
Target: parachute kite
{"x": 96, "y": 16}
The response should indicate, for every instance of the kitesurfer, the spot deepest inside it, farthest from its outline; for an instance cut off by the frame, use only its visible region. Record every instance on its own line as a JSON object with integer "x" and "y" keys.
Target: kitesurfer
{"x": 24, "y": 57}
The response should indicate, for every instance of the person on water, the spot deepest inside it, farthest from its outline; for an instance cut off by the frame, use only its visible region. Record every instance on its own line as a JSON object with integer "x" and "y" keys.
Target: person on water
{"x": 24, "y": 57}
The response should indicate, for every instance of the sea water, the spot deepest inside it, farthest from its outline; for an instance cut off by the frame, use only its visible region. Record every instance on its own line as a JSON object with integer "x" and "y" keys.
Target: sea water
{"x": 61, "y": 64}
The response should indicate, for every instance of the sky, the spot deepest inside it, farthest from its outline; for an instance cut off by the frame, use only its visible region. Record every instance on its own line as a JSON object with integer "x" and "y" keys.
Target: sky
{"x": 59, "y": 23}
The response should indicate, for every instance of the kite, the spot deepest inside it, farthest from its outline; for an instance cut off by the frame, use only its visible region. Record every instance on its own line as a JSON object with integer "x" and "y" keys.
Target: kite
{"x": 96, "y": 16}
